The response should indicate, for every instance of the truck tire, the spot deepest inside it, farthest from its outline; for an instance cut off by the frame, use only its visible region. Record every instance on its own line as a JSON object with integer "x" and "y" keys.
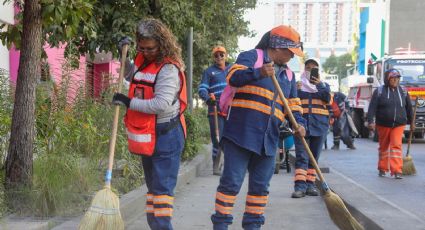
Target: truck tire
{"x": 357, "y": 115}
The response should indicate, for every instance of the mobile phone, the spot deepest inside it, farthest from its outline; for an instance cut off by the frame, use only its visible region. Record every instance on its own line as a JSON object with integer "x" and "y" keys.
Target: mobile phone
{"x": 314, "y": 74}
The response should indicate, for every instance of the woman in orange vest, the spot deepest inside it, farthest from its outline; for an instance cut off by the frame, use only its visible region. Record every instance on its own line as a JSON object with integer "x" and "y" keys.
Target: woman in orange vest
{"x": 154, "y": 120}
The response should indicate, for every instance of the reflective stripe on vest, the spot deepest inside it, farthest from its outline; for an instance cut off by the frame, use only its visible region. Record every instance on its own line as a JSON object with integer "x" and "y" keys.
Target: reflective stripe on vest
{"x": 317, "y": 107}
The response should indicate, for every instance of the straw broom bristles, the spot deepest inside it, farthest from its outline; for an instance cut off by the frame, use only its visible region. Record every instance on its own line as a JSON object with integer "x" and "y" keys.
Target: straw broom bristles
{"x": 408, "y": 166}
{"x": 336, "y": 207}
{"x": 339, "y": 213}
{"x": 104, "y": 213}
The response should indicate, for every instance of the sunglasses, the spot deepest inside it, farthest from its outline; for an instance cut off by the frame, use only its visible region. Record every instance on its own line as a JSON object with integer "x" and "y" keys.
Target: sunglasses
{"x": 219, "y": 55}
{"x": 147, "y": 49}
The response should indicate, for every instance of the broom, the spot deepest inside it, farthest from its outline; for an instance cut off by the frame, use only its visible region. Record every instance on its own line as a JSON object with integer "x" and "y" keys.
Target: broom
{"x": 217, "y": 160}
{"x": 104, "y": 212}
{"x": 408, "y": 166}
{"x": 336, "y": 207}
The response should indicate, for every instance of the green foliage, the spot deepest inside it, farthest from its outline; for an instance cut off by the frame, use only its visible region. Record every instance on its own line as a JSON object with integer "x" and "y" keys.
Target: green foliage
{"x": 197, "y": 132}
{"x": 338, "y": 65}
{"x": 6, "y": 107}
{"x": 90, "y": 26}
{"x": 71, "y": 152}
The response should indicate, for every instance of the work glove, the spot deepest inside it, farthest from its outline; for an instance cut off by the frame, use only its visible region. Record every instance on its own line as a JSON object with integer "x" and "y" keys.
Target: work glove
{"x": 284, "y": 130}
{"x": 211, "y": 102}
{"x": 121, "y": 99}
{"x": 124, "y": 41}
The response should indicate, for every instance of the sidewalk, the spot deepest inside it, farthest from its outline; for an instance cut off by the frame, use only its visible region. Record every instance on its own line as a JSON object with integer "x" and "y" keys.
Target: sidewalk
{"x": 194, "y": 201}
{"x": 194, "y": 205}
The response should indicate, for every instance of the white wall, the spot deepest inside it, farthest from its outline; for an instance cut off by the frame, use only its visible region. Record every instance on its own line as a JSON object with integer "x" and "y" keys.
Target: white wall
{"x": 6, "y": 17}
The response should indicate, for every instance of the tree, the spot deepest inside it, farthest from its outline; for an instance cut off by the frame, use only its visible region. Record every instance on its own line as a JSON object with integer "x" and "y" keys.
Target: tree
{"x": 90, "y": 26}
{"x": 39, "y": 21}
{"x": 338, "y": 65}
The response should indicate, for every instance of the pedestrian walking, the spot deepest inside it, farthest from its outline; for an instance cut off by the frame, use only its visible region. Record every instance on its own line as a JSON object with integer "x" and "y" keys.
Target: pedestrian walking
{"x": 213, "y": 82}
{"x": 390, "y": 109}
{"x": 251, "y": 133}
{"x": 315, "y": 97}
{"x": 340, "y": 126}
{"x": 154, "y": 120}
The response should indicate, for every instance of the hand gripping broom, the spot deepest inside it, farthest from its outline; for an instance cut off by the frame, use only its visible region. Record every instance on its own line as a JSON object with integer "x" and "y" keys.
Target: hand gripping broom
{"x": 336, "y": 207}
{"x": 104, "y": 212}
{"x": 408, "y": 166}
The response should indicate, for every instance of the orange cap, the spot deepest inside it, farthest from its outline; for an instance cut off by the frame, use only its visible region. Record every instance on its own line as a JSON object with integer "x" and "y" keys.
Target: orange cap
{"x": 218, "y": 49}
{"x": 287, "y": 37}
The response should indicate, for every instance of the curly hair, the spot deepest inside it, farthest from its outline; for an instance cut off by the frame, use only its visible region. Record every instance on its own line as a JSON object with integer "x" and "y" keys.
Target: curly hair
{"x": 151, "y": 28}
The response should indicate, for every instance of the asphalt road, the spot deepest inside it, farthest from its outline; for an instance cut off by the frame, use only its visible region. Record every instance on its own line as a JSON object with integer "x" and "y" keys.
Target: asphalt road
{"x": 360, "y": 165}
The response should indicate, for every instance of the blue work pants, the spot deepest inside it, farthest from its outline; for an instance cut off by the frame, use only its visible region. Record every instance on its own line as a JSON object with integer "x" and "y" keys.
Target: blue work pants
{"x": 161, "y": 170}
{"x": 215, "y": 145}
{"x": 237, "y": 161}
{"x": 302, "y": 160}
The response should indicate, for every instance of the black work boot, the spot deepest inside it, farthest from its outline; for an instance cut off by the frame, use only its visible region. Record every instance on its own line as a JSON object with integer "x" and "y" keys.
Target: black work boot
{"x": 312, "y": 191}
{"x": 298, "y": 194}
{"x": 351, "y": 146}
{"x": 335, "y": 147}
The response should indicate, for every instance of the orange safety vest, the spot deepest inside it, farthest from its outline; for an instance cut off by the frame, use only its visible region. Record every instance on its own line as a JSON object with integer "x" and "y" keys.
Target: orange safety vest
{"x": 141, "y": 127}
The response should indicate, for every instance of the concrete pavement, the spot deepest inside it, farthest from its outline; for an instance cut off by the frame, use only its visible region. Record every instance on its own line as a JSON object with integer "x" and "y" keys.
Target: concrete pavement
{"x": 378, "y": 203}
{"x": 194, "y": 205}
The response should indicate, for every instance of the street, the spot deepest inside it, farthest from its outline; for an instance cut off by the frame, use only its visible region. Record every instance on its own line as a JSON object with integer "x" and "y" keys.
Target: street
{"x": 353, "y": 175}
{"x": 360, "y": 165}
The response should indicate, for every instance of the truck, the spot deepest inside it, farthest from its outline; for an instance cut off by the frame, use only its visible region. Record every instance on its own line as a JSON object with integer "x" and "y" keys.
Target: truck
{"x": 412, "y": 69}
{"x": 333, "y": 81}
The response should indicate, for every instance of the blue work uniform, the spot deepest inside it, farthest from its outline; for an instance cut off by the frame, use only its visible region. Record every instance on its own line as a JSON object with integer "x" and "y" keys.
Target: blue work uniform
{"x": 341, "y": 130}
{"x": 316, "y": 113}
{"x": 250, "y": 138}
{"x": 214, "y": 81}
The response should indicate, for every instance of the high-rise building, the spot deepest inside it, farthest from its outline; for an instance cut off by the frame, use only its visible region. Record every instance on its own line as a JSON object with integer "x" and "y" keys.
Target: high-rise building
{"x": 326, "y": 26}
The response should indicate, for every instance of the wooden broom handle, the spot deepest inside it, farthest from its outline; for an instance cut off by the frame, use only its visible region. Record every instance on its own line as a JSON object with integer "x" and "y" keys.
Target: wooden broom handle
{"x": 217, "y": 132}
{"x": 113, "y": 139}
{"x": 411, "y": 130}
{"x": 295, "y": 125}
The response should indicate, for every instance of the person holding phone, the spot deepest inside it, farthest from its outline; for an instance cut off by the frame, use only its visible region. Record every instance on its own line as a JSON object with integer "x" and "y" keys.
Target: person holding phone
{"x": 315, "y": 96}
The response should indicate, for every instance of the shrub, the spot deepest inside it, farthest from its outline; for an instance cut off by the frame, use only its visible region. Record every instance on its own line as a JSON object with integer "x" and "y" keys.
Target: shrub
{"x": 197, "y": 132}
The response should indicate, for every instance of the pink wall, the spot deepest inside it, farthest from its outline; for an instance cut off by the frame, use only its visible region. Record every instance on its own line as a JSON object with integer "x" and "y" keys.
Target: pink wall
{"x": 73, "y": 78}
{"x": 13, "y": 64}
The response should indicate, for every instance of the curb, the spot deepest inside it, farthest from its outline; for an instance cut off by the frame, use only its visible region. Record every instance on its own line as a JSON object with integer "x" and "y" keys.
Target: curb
{"x": 130, "y": 203}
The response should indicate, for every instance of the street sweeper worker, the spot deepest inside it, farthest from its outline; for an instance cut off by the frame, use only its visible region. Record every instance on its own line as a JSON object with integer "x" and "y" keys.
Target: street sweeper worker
{"x": 154, "y": 120}
{"x": 340, "y": 126}
{"x": 213, "y": 82}
{"x": 315, "y": 96}
{"x": 390, "y": 109}
{"x": 251, "y": 133}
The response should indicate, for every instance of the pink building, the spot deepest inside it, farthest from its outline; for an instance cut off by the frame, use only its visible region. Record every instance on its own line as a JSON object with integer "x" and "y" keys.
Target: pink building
{"x": 91, "y": 75}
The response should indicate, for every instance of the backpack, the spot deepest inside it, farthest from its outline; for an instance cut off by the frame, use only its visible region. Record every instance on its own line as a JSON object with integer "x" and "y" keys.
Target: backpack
{"x": 229, "y": 91}
{"x": 335, "y": 109}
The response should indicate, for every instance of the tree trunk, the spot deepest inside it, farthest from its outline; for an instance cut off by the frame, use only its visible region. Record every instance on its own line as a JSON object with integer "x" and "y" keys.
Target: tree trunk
{"x": 19, "y": 161}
